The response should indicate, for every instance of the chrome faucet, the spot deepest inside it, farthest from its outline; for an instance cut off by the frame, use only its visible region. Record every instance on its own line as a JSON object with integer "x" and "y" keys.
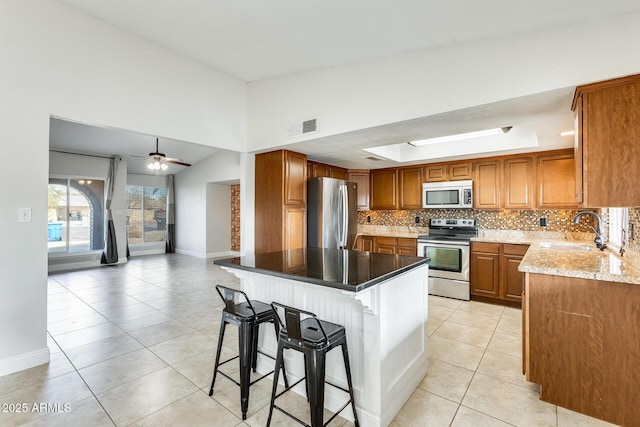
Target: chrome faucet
{"x": 599, "y": 241}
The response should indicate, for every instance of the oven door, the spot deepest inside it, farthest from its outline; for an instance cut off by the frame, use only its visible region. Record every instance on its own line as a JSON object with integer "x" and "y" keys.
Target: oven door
{"x": 448, "y": 260}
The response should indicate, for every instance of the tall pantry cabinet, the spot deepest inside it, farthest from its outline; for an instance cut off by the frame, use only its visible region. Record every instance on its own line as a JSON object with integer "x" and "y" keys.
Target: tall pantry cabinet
{"x": 280, "y": 201}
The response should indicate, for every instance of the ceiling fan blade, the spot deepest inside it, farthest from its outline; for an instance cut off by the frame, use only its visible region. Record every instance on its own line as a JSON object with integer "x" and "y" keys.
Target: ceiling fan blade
{"x": 176, "y": 162}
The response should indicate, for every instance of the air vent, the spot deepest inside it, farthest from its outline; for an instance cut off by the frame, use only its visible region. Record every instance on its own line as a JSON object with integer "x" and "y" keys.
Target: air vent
{"x": 303, "y": 128}
{"x": 374, "y": 158}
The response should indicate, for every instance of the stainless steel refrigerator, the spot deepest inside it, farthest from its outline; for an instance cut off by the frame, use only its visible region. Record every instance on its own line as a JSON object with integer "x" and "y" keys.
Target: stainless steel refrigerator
{"x": 332, "y": 213}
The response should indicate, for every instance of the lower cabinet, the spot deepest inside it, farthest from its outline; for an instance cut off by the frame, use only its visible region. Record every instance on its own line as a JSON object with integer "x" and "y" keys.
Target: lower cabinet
{"x": 406, "y": 246}
{"x": 484, "y": 278}
{"x": 384, "y": 245}
{"x": 364, "y": 243}
{"x": 387, "y": 245}
{"x": 494, "y": 271}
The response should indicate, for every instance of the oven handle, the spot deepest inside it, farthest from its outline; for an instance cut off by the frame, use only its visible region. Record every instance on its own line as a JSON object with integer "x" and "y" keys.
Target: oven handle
{"x": 444, "y": 245}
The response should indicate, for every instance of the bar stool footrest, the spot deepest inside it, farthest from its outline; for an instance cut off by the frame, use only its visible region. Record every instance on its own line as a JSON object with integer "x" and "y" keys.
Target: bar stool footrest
{"x": 293, "y": 417}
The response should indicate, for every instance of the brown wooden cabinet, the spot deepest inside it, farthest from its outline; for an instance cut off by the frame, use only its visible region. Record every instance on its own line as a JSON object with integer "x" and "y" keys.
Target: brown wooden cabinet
{"x": 383, "y": 189}
{"x": 607, "y": 149}
{"x": 406, "y": 246}
{"x": 361, "y": 177}
{"x": 295, "y": 183}
{"x": 484, "y": 277}
{"x": 453, "y": 171}
{"x": 581, "y": 342}
{"x": 387, "y": 245}
{"x": 494, "y": 271}
{"x": 384, "y": 245}
{"x": 323, "y": 170}
{"x": 280, "y": 201}
{"x": 556, "y": 181}
{"x": 364, "y": 243}
{"x": 511, "y": 278}
{"x": 410, "y": 188}
{"x": 518, "y": 183}
{"x": 487, "y": 184}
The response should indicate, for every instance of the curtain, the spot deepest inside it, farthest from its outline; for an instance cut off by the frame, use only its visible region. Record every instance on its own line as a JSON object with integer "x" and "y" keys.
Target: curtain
{"x": 110, "y": 253}
{"x": 170, "y": 247}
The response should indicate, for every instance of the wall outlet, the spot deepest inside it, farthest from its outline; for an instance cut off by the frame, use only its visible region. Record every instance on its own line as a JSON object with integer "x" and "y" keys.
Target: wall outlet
{"x": 368, "y": 218}
{"x": 417, "y": 220}
{"x": 543, "y": 222}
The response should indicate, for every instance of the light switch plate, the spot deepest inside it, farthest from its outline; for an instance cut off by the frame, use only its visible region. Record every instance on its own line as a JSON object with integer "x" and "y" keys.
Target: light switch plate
{"x": 24, "y": 214}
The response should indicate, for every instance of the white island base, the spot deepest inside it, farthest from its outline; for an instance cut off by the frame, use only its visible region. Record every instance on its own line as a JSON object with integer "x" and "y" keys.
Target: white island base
{"x": 386, "y": 326}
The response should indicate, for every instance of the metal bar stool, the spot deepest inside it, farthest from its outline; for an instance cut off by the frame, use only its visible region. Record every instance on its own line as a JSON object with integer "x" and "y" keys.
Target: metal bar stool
{"x": 247, "y": 316}
{"x": 314, "y": 338}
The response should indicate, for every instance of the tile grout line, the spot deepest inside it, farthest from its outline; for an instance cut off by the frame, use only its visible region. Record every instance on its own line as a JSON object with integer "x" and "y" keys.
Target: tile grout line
{"x": 85, "y": 383}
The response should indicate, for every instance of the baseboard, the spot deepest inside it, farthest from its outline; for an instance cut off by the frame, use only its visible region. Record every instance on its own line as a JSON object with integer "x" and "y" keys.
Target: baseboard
{"x": 191, "y": 253}
{"x": 156, "y": 251}
{"x": 72, "y": 266}
{"x": 223, "y": 254}
{"x": 24, "y": 361}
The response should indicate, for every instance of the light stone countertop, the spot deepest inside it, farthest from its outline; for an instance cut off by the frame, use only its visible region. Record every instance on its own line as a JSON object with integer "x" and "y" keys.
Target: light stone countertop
{"x": 409, "y": 232}
{"x": 569, "y": 254}
{"x": 582, "y": 260}
{"x": 528, "y": 237}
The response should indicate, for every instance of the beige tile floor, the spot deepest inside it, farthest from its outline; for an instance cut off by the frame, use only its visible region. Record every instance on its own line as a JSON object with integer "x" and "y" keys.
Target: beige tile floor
{"x": 135, "y": 344}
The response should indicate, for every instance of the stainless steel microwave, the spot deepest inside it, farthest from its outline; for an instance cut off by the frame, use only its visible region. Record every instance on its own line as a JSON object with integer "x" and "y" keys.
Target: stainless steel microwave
{"x": 447, "y": 195}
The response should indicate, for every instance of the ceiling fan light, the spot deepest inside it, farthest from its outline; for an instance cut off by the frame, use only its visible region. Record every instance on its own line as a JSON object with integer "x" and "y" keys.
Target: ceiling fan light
{"x": 150, "y": 166}
{"x": 163, "y": 166}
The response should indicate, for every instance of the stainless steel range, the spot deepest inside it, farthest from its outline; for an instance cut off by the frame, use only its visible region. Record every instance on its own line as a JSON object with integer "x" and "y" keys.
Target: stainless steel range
{"x": 448, "y": 246}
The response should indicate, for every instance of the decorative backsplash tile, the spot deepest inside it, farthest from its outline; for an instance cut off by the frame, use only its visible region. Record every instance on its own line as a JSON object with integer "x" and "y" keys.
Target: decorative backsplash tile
{"x": 523, "y": 220}
{"x": 634, "y": 229}
{"x": 235, "y": 217}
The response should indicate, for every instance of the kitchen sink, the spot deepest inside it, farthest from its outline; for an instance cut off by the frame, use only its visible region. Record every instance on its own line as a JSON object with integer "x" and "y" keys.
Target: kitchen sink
{"x": 568, "y": 246}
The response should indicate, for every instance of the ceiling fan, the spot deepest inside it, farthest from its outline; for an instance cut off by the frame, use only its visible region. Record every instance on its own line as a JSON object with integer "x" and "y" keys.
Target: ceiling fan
{"x": 158, "y": 161}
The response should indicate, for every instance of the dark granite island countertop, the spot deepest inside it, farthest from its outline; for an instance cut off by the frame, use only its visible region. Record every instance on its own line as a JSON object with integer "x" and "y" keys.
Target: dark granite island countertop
{"x": 336, "y": 268}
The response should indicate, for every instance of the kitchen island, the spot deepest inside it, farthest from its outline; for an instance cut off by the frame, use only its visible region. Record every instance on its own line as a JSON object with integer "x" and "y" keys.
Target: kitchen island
{"x": 581, "y": 336}
{"x": 380, "y": 299}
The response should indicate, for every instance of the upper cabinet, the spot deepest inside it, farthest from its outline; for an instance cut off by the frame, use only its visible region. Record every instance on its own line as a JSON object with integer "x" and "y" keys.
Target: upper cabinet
{"x": 323, "y": 170}
{"x": 487, "y": 185}
{"x": 361, "y": 177}
{"x": 410, "y": 187}
{"x": 556, "y": 181}
{"x": 518, "y": 183}
{"x": 383, "y": 189}
{"x": 607, "y": 149}
{"x": 448, "y": 171}
{"x": 295, "y": 183}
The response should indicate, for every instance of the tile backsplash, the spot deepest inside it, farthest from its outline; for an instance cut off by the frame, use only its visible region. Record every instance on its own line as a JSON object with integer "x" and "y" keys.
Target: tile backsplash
{"x": 235, "y": 217}
{"x": 634, "y": 224}
{"x": 523, "y": 220}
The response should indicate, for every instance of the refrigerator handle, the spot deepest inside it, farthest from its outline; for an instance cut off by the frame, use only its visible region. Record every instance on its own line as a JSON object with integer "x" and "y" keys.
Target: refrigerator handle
{"x": 345, "y": 215}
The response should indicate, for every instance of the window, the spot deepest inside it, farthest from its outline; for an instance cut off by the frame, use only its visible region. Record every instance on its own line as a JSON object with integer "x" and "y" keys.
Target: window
{"x": 618, "y": 226}
{"x": 146, "y": 214}
{"x": 76, "y": 215}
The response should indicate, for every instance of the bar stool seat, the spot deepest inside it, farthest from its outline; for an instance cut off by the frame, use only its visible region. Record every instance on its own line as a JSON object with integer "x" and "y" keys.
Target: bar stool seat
{"x": 247, "y": 316}
{"x": 314, "y": 338}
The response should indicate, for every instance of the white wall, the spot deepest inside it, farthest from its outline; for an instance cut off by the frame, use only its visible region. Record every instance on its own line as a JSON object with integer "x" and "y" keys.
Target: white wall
{"x": 423, "y": 83}
{"x": 60, "y": 62}
{"x": 223, "y": 167}
{"x": 218, "y": 220}
{"x": 147, "y": 180}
